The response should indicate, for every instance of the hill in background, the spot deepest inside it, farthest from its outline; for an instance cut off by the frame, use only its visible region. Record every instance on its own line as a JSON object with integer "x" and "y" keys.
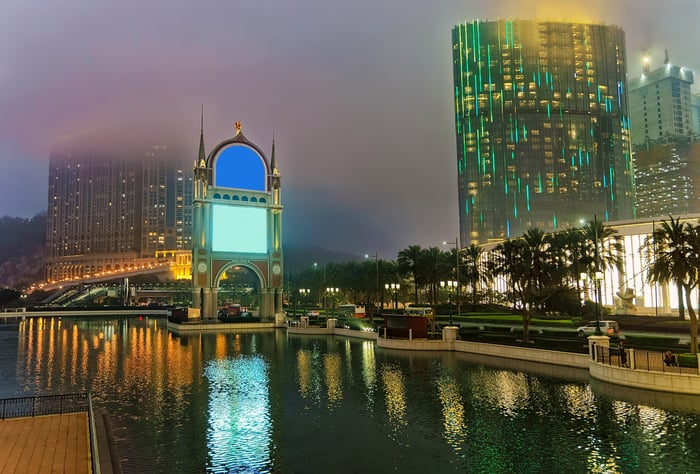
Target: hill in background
{"x": 22, "y": 250}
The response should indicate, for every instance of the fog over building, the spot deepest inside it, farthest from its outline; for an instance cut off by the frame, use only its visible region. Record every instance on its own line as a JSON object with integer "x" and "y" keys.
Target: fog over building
{"x": 542, "y": 126}
{"x": 108, "y": 212}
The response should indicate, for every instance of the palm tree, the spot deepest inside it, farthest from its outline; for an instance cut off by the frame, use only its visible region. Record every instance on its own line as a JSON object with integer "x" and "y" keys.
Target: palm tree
{"x": 601, "y": 249}
{"x": 474, "y": 274}
{"x": 527, "y": 263}
{"x": 408, "y": 265}
{"x": 677, "y": 247}
{"x": 431, "y": 265}
{"x": 568, "y": 255}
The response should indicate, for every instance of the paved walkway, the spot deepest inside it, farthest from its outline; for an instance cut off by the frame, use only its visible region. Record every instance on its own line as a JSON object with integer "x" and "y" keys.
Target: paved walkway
{"x": 53, "y": 443}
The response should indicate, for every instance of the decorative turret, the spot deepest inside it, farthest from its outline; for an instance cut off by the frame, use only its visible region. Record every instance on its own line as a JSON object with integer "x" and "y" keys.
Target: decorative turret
{"x": 275, "y": 176}
{"x": 201, "y": 174}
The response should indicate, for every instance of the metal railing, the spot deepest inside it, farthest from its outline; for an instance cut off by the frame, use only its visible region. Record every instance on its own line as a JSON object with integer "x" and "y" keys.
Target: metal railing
{"x": 638, "y": 359}
{"x": 43, "y": 405}
{"x": 94, "y": 451}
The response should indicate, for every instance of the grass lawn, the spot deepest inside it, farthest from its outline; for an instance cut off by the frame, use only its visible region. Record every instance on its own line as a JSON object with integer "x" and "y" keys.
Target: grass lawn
{"x": 506, "y": 318}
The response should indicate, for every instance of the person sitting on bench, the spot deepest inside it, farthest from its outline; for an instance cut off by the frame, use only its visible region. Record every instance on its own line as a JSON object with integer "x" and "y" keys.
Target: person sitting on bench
{"x": 670, "y": 358}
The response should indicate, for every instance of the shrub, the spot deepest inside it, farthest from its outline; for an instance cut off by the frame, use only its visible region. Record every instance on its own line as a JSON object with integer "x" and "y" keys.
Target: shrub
{"x": 687, "y": 360}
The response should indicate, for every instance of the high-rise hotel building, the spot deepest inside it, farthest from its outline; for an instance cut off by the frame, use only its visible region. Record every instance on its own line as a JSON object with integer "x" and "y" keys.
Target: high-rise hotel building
{"x": 542, "y": 126}
{"x": 108, "y": 213}
{"x": 665, "y": 143}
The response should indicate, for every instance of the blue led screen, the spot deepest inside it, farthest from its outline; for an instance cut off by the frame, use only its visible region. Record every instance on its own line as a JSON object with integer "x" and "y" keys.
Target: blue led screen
{"x": 240, "y": 167}
{"x": 239, "y": 229}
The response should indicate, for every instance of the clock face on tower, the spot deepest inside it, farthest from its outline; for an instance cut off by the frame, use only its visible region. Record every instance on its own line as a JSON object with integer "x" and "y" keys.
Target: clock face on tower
{"x": 276, "y": 269}
{"x": 202, "y": 267}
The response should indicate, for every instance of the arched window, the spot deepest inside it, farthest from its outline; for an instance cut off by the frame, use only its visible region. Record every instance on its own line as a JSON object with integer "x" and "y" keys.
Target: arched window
{"x": 239, "y": 166}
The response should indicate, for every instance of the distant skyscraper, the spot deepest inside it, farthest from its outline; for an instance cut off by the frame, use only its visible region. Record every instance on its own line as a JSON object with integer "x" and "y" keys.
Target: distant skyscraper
{"x": 166, "y": 189}
{"x": 542, "y": 126}
{"x": 661, "y": 103}
{"x": 664, "y": 131}
{"x": 105, "y": 212}
{"x": 695, "y": 107}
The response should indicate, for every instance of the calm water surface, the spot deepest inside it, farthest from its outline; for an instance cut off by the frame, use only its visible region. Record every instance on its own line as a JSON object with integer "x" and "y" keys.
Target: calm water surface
{"x": 253, "y": 402}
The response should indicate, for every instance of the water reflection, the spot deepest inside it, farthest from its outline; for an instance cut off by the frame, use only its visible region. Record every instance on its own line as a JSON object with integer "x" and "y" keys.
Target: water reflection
{"x": 266, "y": 401}
{"x": 394, "y": 395}
{"x": 369, "y": 372}
{"x": 452, "y": 410}
{"x": 332, "y": 369}
{"x": 240, "y": 432}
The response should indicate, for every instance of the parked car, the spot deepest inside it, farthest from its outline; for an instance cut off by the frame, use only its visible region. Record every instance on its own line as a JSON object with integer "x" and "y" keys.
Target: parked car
{"x": 608, "y": 328}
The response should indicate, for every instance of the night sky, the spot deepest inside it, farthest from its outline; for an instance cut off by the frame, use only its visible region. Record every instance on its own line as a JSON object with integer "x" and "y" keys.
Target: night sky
{"x": 358, "y": 95}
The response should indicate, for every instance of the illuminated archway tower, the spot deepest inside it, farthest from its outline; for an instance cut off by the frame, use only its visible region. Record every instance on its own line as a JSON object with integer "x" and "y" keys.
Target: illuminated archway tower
{"x": 237, "y": 221}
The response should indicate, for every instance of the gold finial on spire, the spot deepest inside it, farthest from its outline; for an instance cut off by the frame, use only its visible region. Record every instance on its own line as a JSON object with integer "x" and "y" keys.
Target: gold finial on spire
{"x": 238, "y": 126}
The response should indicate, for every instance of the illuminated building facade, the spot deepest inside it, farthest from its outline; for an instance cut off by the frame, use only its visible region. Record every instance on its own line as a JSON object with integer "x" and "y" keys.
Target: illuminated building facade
{"x": 166, "y": 216}
{"x": 659, "y": 299}
{"x": 667, "y": 177}
{"x": 666, "y": 154}
{"x": 107, "y": 213}
{"x": 542, "y": 126}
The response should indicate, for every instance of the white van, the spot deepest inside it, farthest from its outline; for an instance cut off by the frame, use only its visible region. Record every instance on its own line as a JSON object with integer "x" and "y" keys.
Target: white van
{"x": 608, "y": 328}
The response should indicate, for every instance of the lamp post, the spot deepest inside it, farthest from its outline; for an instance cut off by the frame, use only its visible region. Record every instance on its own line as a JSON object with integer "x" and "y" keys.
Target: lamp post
{"x": 598, "y": 275}
{"x": 376, "y": 268}
{"x": 451, "y": 285}
{"x": 305, "y": 292}
{"x": 333, "y": 292}
{"x": 456, "y": 244}
{"x": 394, "y": 288}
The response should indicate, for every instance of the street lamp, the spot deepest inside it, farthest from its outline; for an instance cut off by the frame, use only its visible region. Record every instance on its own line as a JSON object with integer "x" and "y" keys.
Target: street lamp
{"x": 394, "y": 288}
{"x": 333, "y": 292}
{"x": 451, "y": 285}
{"x": 598, "y": 276}
{"x": 376, "y": 267}
{"x": 457, "y": 249}
{"x": 305, "y": 292}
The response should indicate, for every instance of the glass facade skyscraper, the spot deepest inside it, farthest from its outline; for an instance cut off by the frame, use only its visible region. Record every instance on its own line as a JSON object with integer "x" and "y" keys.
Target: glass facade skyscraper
{"x": 542, "y": 126}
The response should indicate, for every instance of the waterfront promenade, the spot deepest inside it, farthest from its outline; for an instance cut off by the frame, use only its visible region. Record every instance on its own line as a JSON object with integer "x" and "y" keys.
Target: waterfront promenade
{"x": 598, "y": 367}
{"x": 51, "y": 443}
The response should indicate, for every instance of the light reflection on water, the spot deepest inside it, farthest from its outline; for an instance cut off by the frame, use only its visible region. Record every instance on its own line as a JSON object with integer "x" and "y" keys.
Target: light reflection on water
{"x": 240, "y": 426}
{"x": 271, "y": 402}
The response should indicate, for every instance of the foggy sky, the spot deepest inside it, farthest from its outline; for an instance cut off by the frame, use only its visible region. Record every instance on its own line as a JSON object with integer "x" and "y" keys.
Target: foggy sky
{"x": 358, "y": 95}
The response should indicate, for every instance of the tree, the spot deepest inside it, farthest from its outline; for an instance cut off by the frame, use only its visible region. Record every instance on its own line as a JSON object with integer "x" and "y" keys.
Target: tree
{"x": 677, "y": 259}
{"x": 431, "y": 267}
{"x": 474, "y": 274}
{"x": 608, "y": 253}
{"x": 527, "y": 264}
{"x": 408, "y": 265}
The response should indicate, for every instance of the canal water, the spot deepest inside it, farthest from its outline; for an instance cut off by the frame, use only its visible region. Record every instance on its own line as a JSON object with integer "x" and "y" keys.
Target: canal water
{"x": 249, "y": 402}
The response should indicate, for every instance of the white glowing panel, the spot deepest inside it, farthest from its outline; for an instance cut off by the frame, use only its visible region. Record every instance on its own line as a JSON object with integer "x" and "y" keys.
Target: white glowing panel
{"x": 239, "y": 229}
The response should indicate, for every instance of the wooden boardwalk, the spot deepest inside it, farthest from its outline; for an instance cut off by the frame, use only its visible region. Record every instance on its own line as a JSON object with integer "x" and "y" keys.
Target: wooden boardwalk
{"x": 52, "y": 443}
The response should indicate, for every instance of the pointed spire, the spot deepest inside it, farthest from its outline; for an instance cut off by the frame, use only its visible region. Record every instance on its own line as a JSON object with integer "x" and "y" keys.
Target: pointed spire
{"x": 202, "y": 155}
{"x": 273, "y": 161}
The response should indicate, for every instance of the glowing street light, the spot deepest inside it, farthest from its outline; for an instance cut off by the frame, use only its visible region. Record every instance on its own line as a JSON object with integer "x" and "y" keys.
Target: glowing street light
{"x": 376, "y": 267}
{"x": 457, "y": 250}
{"x": 332, "y": 291}
{"x": 394, "y": 288}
